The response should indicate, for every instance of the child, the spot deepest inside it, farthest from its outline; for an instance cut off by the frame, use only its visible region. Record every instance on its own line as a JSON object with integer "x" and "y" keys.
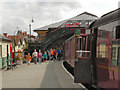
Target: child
{"x": 28, "y": 58}
{"x": 45, "y": 56}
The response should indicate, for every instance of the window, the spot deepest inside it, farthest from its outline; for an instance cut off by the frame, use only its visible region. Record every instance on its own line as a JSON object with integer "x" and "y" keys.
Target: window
{"x": 97, "y": 52}
{"x": 115, "y": 56}
{"x": 101, "y": 45}
{"x": 78, "y": 43}
{"x": 0, "y": 51}
{"x": 116, "y": 33}
{"x": 83, "y": 46}
{"x": 102, "y": 52}
{"x": 18, "y": 45}
{"x": 23, "y": 46}
{"x": 113, "y": 52}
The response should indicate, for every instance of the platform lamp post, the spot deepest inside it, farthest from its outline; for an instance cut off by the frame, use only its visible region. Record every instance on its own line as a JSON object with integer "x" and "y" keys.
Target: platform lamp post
{"x": 30, "y": 29}
{"x": 14, "y": 45}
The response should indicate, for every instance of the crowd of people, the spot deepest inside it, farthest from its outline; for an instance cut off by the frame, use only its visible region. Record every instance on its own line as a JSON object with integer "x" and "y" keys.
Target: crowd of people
{"x": 50, "y": 55}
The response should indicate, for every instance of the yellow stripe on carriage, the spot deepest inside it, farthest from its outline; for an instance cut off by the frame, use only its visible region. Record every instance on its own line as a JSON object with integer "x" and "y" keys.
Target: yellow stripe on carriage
{"x": 109, "y": 68}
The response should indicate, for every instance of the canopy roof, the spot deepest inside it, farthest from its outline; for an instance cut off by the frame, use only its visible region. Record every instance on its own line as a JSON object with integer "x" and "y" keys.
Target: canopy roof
{"x": 81, "y": 17}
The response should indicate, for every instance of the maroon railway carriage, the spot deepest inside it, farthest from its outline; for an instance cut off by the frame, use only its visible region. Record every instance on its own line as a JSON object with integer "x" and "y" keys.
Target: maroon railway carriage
{"x": 70, "y": 50}
{"x": 78, "y": 54}
{"x": 95, "y": 54}
{"x": 108, "y": 49}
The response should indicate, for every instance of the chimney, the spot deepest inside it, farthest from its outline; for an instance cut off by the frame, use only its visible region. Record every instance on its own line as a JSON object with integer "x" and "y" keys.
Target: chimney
{"x": 5, "y": 34}
{"x": 24, "y": 33}
{"x": 28, "y": 35}
{"x": 19, "y": 32}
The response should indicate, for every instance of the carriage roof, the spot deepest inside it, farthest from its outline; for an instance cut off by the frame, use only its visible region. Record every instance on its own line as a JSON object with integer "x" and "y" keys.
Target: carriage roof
{"x": 106, "y": 18}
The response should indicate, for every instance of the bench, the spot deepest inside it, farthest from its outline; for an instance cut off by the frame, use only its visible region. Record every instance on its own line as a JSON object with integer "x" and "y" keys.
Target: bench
{"x": 14, "y": 65}
{"x": 11, "y": 65}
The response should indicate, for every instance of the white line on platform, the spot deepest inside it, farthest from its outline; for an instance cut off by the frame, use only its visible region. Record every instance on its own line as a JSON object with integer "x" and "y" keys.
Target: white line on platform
{"x": 73, "y": 77}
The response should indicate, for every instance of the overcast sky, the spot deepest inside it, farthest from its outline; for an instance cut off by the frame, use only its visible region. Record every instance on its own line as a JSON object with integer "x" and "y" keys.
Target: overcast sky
{"x": 19, "y": 14}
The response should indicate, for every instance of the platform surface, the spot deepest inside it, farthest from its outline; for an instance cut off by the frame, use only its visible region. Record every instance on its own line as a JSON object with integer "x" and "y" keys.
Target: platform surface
{"x": 44, "y": 75}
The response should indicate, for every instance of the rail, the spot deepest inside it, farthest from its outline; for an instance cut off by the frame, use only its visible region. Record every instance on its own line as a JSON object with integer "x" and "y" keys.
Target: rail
{"x": 80, "y": 53}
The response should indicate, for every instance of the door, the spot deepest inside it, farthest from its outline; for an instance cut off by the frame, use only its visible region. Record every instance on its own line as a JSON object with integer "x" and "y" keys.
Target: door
{"x": 82, "y": 70}
{"x": 119, "y": 56}
{"x": 7, "y": 55}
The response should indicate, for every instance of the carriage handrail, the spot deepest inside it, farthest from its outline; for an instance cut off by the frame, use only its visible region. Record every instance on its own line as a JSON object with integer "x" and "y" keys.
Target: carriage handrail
{"x": 82, "y": 51}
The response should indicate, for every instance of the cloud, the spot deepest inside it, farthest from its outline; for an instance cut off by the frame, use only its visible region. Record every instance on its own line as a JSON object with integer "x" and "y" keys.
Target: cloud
{"x": 0, "y": 19}
{"x": 99, "y": 7}
{"x": 20, "y": 13}
{"x": 16, "y": 13}
{"x": 119, "y": 4}
{"x": 39, "y": 1}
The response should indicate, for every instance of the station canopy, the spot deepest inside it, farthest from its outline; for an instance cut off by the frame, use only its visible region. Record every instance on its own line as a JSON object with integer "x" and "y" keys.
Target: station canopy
{"x": 81, "y": 20}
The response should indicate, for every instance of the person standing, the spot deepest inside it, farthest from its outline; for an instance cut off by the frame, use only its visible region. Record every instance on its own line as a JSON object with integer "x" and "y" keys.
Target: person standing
{"x": 39, "y": 56}
{"x": 19, "y": 57}
{"x": 54, "y": 54}
{"x": 51, "y": 54}
{"x": 34, "y": 55}
{"x": 28, "y": 59}
{"x": 22, "y": 55}
{"x": 59, "y": 54}
{"x": 45, "y": 56}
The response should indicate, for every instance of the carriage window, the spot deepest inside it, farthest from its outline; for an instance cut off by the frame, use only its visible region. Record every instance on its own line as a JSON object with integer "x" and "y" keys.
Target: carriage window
{"x": 78, "y": 43}
{"x": 0, "y": 51}
{"x": 116, "y": 56}
{"x": 113, "y": 52}
{"x": 97, "y": 52}
{"x": 102, "y": 52}
{"x": 116, "y": 33}
{"x": 83, "y": 46}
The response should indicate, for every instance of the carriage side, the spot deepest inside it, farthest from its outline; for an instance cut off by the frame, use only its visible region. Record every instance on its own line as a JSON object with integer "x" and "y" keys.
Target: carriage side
{"x": 108, "y": 50}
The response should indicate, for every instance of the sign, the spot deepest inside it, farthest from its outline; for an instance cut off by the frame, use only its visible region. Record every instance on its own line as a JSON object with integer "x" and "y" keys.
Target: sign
{"x": 78, "y": 31}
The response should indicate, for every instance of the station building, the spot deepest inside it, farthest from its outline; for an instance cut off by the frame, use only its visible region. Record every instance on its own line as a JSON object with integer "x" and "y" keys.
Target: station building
{"x": 4, "y": 51}
{"x": 46, "y": 33}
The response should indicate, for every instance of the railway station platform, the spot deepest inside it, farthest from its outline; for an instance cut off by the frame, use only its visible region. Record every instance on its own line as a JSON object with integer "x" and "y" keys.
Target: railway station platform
{"x": 44, "y": 75}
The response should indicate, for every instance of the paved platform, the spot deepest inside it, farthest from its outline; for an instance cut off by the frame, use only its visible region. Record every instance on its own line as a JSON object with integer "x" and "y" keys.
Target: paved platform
{"x": 44, "y": 75}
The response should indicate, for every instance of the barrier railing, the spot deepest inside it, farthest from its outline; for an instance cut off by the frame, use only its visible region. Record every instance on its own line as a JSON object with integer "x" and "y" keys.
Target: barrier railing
{"x": 80, "y": 53}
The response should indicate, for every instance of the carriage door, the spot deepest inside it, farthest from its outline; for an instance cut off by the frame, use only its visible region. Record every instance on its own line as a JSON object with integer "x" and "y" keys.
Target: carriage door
{"x": 82, "y": 70}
